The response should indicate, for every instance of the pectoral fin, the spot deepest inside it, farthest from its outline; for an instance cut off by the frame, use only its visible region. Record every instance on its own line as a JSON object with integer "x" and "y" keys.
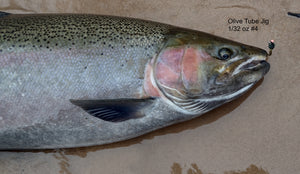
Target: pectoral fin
{"x": 115, "y": 110}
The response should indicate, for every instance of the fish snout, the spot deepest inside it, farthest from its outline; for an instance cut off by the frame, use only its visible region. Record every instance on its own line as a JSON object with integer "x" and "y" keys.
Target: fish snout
{"x": 266, "y": 67}
{"x": 253, "y": 64}
{"x": 257, "y": 65}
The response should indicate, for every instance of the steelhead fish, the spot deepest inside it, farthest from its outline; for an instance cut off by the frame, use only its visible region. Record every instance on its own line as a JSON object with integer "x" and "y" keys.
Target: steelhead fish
{"x": 70, "y": 80}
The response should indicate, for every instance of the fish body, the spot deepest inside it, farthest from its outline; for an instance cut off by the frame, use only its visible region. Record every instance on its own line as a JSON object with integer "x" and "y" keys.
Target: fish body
{"x": 69, "y": 80}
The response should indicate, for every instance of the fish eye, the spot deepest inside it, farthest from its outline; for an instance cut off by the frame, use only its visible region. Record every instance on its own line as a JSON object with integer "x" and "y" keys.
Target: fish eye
{"x": 224, "y": 53}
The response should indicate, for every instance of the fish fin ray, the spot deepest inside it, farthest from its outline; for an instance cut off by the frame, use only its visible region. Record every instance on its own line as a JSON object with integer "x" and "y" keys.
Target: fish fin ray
{"x": 114, "y": 110}
{"x": 195, "y": 106}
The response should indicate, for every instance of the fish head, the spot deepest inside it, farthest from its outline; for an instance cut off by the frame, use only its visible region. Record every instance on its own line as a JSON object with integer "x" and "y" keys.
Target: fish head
{"x": 197, "y": 72}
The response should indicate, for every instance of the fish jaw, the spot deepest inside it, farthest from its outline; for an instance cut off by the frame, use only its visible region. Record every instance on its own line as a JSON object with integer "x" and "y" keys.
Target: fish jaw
{"x": 239, "y": 72}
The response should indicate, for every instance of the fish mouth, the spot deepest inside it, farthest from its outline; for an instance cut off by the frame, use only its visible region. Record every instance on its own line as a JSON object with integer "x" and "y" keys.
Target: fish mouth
{"x": 245, "y": 77}
{"x": 254, "y": 64}
{"x": 258, "y": 65}
{"x": 247, "y": 74}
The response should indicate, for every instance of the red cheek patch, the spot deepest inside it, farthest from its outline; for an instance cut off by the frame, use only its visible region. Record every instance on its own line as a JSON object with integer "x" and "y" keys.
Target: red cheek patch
{"x": 176, "y": 68}
{"x": 168, "y": 67}
{"x": 191, "y": 67}
{"x": 172, "y": 58}
{"x": 166, "y": 74}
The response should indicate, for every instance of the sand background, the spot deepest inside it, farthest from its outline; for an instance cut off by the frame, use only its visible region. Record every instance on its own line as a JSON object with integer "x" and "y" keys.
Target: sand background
{"x": 257, "y": 134}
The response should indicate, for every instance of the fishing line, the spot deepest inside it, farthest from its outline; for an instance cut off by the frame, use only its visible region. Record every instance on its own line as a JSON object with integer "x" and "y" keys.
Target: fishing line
{"x": 294, "y": 14}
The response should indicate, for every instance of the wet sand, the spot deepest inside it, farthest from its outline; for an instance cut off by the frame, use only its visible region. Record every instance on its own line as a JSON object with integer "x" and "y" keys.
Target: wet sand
{"x": 255, "y": 134}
